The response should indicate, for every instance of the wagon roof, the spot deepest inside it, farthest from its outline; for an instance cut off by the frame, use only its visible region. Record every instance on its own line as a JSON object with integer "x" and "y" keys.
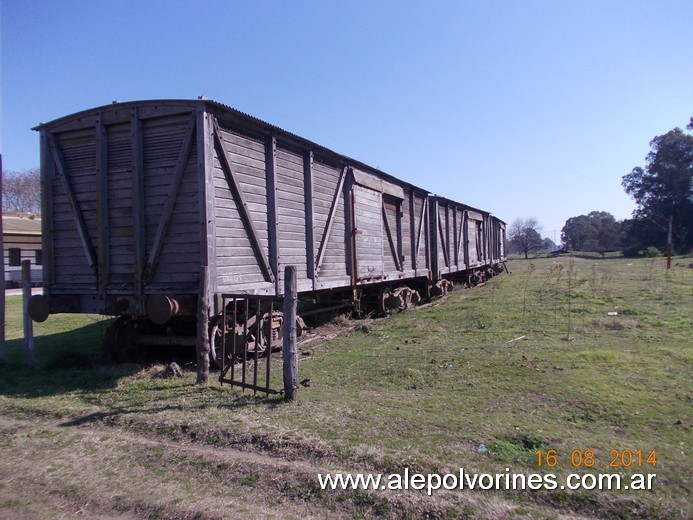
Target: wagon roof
{"x": 461, "y": 204}
{"x": 224, "y": 110}
{"x": 258, "y": 123}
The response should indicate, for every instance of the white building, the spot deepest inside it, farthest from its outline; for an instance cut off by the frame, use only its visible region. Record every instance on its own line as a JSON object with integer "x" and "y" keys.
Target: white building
{"x": 21, "y": 241}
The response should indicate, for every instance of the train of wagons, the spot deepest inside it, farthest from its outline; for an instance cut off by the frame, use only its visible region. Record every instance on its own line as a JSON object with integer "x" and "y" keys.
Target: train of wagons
{"x": 138, "y": 196}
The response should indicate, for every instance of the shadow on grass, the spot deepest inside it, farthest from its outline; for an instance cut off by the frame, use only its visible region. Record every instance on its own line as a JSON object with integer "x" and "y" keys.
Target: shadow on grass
{"x": 72, "y": 362}
{"x": 114, "y": 413}
{"x": 64, "y": 362}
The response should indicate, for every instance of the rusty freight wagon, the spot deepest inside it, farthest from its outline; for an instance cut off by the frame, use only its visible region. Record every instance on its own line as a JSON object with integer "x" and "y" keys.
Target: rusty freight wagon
{"x": 137, "y": 196}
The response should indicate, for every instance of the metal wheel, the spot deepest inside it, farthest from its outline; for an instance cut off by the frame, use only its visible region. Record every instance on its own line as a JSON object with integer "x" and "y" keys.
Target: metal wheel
{"x": 215, "y": 343}
{"x": 118, "y": 341}
{"x": 383, "y": 297}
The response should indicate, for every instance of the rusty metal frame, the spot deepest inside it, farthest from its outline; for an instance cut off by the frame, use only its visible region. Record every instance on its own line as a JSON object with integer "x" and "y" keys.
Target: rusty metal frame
{"x": 234, "y": 377}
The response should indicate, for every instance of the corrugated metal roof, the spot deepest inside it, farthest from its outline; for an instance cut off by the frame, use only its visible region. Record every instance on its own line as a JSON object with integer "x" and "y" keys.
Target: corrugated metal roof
{"x": 248, "y": 117}
{"x": 269, "y": 127}
{"x": 12, "y": 225}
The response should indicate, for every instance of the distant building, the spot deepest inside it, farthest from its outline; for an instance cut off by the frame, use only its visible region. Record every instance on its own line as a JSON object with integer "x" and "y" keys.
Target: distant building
{"x": 21, "y": 241}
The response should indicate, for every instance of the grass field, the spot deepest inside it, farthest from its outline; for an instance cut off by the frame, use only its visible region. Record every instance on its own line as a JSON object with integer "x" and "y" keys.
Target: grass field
{"x": 568, "y": 354}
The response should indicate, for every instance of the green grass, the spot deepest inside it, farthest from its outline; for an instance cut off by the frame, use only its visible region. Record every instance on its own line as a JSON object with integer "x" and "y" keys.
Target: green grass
{"x": 534, "y": 360}
{"x": 61, "y": 337}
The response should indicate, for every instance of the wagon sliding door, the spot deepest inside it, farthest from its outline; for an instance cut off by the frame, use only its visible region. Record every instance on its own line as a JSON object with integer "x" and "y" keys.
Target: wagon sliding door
{"x": 379, "y": 229}
{"x": 475, "y": 238}
{"x": 369, "y": 233}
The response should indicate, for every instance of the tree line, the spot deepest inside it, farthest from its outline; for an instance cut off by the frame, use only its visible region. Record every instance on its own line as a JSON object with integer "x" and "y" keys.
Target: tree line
{"x": 21, "y": 191}
{"x": 663, "y": 193}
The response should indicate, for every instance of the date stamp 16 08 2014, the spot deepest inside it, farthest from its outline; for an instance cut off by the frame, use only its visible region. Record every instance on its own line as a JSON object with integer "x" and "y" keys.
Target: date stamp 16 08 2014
{"x": 590, "y": 459}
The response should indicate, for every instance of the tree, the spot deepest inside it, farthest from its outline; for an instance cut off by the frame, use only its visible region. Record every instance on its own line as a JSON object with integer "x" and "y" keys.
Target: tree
{"x": 663, "y": 190}
{"x": 21, "y": 191}
{"x": 524, "y": 236}
{"x": 549, "y": 245}
{"x": 598, "y": 231}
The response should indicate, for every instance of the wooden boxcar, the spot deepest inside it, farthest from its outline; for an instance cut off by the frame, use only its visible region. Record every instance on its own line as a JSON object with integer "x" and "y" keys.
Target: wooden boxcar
{"x": 138, "y": 196}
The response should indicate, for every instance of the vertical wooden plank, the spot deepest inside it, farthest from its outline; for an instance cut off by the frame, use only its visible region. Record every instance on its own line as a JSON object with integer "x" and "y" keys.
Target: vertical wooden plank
{"x": 203, "y": 329}
{"x": 72, "y": 201}
{"x": 103, "y": 258}
{"x": 458, "y": 233}
{"x": 447, "y": 234}
{"x": 330, "y": 219}
{"x": 455, "y": 241}
{"x": 137, "y": 154}
{"x": 289, "y": 332}
{"x": 47, "y": 231}
{"x": 465, "y": 237}
{"x": 29, "y": 360}
{"x": 394, "y": 248}
{"x": 400, "y": 246}
{"x": 207, "y": 201}
{"x": 432, "y": 238}
{"x": 426, "y": 229}
{"x": 484, "y": 221}
{"x": 272, "y": 230}
{"x": 350, "y": 229}
{"x": 170, "y": 200}
{"x": 423, "y": 228}
{"x": 412, "y": 231}
{"x": 242, "y": 205}
{"x": 310, "y": 225}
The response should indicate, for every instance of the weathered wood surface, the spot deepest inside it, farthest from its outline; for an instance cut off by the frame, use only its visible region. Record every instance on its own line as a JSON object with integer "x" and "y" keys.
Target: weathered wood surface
{"x": 289, "y": 351}
{"x": 203, "y": 346}
{"x": 149, "y": 191}
{"x": 29, "y": 359}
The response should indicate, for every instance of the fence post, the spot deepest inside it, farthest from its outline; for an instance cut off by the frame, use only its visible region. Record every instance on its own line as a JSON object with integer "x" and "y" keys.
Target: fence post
{"x": 290, "y": 357}
{"x": 203, "y": 329}
{"x": 28, "y": 324}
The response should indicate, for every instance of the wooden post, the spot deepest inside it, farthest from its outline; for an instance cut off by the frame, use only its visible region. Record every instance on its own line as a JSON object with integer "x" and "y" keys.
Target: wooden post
{"x": 289, "y": 329}
{"x": 28, "y": 324}
{"x": 203, "y": 329}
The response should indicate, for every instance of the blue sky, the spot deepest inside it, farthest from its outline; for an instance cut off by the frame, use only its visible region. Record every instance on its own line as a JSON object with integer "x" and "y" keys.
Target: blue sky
{"x": 525, "y": 109}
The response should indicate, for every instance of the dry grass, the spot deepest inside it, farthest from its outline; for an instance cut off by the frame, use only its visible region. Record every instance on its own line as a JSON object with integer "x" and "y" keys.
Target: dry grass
{"x": 529, "y": 360}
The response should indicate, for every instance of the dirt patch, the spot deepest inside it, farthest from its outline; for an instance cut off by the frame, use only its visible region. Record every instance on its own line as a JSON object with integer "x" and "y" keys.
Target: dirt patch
{"x": 616, "y": 324}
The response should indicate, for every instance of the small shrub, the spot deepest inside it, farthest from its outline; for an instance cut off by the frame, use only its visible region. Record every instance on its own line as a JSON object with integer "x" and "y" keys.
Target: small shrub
{"x": 652, "y": 252}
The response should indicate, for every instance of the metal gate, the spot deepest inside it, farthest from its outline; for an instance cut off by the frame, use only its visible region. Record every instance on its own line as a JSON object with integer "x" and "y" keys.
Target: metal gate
{"x": 248, "y": 331}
